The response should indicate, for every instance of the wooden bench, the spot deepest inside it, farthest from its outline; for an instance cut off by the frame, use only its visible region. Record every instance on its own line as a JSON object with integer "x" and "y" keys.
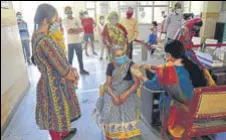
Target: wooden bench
{"x": 207, "y": 114}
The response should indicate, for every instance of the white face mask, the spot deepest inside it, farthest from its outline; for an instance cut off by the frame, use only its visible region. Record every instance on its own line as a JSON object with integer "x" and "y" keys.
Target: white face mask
{"x": 178, "y": 11}
{"x": 86, "y": 16}
{"x": 102, "y": 21}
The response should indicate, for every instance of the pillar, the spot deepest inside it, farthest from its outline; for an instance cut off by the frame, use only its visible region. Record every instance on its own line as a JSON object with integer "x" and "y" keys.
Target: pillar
{"x": 14, "y": 76}
{"x": 210, "y": 15}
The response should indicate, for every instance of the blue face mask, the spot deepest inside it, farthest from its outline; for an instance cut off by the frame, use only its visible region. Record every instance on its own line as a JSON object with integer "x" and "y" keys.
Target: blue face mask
{"x": 121, "y": 60}
{"x": 68, "y": 12}
{"x": 54, "y": 27}
{"x": 76, "y": 87}
{"x": 19, "y": 17}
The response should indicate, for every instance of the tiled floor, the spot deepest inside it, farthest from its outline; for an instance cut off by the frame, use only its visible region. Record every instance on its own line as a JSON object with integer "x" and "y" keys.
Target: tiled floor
{"x": 23, "y": 126}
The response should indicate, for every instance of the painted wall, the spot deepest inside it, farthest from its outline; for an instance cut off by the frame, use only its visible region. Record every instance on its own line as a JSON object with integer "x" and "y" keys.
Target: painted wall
{"x": 222, "y": 17}
{"x": 14, "y": 77}
{"x": 210, "y": 16}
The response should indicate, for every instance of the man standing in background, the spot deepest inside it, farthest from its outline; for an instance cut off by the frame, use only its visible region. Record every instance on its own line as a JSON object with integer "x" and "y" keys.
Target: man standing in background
{"x": 132, "y": 29}
{"x": 88, "y": 25}
{"x": 173, "y": 22}
{"x": 163, "y": 30}
{"x": 74, "y": 28}
{"x": 24, "y": 36}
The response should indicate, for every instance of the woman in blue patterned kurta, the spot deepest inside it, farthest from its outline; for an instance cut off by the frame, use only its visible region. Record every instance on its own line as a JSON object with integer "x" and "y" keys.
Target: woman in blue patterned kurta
{"x": 177, "y": 78}
{"x": 57, "y": 104}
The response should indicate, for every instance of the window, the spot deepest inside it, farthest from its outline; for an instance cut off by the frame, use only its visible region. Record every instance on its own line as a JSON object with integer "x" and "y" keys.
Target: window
{"x": 145, "y": 15}
{"x": 90, "y": 4}
{"x": 145, "y": 3}
{"x": 193, "y": 6}
{"x": 144, "y": 12}
{"x": 122, "y": 3}
{"x": 151, "y": 10}
{"x": 123, "y": 10}
{"x": 113, "y": 6}
{"x": 91, "y": 14}
{"x": 102, "y": 8}
{"x": 28, "y": 8}
{"x": 223, "y": 5}
{"x": 196, "y": 7}
{"x": 161, "y": 3}
{"x": 158, "y": 13}
{"x": 187, "y": 5}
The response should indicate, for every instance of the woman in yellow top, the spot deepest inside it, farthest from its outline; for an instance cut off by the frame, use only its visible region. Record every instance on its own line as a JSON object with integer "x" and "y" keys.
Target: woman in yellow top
{"x": 57, "y": 34}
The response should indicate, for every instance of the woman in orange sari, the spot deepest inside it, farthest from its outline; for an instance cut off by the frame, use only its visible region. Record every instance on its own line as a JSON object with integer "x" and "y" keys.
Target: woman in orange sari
{"x": 176, "y": 78}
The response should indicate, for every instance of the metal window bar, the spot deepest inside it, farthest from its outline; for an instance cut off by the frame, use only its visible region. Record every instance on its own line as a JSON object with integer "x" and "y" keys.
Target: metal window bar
{"x": 136, "y": 11}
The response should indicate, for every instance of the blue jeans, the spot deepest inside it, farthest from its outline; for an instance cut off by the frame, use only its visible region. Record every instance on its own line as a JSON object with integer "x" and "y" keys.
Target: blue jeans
{"x": 77, "y": 47}
{"x": 26, "y": 50}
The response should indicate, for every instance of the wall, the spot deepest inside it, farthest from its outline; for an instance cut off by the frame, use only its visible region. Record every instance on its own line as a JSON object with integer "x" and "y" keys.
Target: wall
{"x": 210, "y": 15}
{"x": 144, "y": 31}
{"x": 14, "y": 77}
{"x": 222, "y": 17}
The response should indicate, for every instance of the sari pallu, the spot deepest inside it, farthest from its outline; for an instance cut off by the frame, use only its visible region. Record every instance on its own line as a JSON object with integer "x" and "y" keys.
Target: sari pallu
{"x": 118, "y": 121}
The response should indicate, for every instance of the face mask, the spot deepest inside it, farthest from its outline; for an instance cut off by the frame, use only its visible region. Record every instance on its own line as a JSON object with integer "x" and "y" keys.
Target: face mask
{"x": 102, "y": 21}
{"x": 129, "y": 14}
{"x": 19, "y": 17}
{"x": 114, "y": 21}
{"x": 54, "y": 27}
{"x": 120, "y": 60}
{"x": 68, "y": 12}
{"x": 76, "y": 87}
{"x": 178, "y": 11}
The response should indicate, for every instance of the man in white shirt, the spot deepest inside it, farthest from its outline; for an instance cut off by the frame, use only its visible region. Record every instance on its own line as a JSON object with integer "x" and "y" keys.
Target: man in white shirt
{"x": 74, "y": 28}
{"x": 173, "y": 22}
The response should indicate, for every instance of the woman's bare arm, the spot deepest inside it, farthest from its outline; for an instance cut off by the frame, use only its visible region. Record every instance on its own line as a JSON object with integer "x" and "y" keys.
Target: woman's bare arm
{"x": 133, "y": 87}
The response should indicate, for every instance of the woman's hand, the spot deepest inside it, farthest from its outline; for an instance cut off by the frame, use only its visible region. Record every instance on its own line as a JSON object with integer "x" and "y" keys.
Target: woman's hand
{"x": 76, "y": 73}
{"x": 116, "y": 100}
{"x": 76, "y": 76}
{"x": 72, "y": 75}
{"x": 135, "y": 72}
{"x": 123, "y": 97}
